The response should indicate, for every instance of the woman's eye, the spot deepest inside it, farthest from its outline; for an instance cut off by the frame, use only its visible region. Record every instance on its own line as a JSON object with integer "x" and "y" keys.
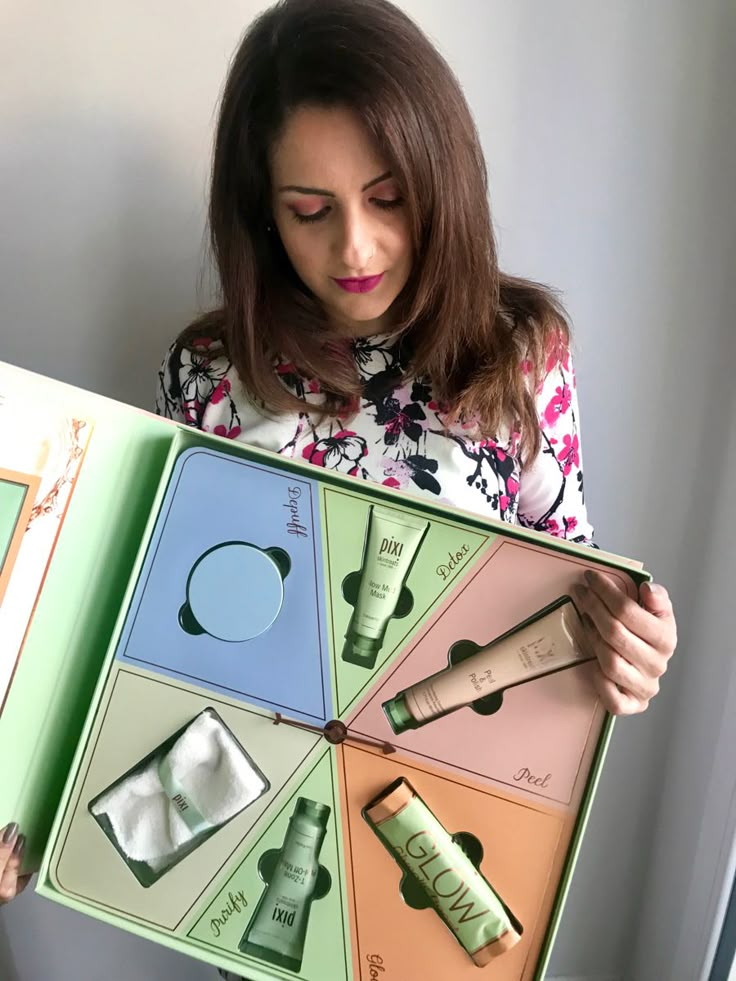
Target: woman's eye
{"x": 388, "y": 204}
{"x": 312, "y": 217}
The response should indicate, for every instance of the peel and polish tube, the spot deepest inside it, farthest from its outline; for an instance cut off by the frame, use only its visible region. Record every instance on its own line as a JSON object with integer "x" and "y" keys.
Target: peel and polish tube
{"x": 392, "y": 541}
{"x": 278, "y": 927}
{"x": 457, "y": 890}
{"x": 548, "y": 642}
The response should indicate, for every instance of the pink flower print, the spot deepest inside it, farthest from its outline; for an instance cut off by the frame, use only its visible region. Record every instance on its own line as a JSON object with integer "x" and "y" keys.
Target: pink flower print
{"x": 558, "y": 353}
{"x": 526, "y": 366}
{"x": 350, "y": 409}
{"x": 504, "y": 500}
{"x": 512, "y": 485}
{"x": 570, "y": 524}
{"x": 558, "y": 404}
{"x": 227, "y": 433}
{"x": 551, "y": 526}
{"x": 398, "y": 421}
{"x": 202, "y": 342}
{"x": 342, "y": 452}
{"x": 313, "y": 387}
{"x": 397, "y": 472}
{"x": 192, "y": 409}
{"x": 221, "y": 391}
{"x": 570, "y": 454}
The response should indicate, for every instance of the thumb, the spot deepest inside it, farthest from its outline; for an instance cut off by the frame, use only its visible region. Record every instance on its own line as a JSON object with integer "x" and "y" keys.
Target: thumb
{"x": 655, "y": 599}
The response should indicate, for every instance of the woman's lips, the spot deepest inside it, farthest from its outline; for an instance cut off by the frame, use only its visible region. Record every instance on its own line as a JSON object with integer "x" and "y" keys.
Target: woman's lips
{"x": 359, "y": 284}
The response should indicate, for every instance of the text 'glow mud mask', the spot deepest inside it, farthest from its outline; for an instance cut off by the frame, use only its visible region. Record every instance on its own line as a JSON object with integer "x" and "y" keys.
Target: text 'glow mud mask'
{"x": 235, "y": 591}
{"x": 456, "y": 889}
{"x": 544, "y": 644}
{"x": 278, "y": 928}
{"x": 392, "y": 542}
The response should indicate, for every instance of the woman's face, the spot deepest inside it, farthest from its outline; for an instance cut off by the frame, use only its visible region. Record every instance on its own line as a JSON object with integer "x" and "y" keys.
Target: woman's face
{"x": 341, "y": 218}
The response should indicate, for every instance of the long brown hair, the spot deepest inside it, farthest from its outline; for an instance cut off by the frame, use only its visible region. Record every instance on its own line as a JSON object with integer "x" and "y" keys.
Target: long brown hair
{"x": 468, "y": 327}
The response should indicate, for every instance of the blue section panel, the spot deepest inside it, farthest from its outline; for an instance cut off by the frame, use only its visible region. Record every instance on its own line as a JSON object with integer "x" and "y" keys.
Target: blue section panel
{"x": 231, "y": 594}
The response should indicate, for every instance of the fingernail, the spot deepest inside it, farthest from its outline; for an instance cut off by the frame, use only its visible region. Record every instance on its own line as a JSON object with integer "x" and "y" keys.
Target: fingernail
{"x": 9, "y": 833}
{"x": 19, "y": 846}
{"x": 589, "y": 576}
{"x": 652, "y": 587}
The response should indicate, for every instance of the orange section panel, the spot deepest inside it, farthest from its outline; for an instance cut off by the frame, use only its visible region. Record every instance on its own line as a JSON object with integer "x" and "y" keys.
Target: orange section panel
{"x": 524, "y": 845}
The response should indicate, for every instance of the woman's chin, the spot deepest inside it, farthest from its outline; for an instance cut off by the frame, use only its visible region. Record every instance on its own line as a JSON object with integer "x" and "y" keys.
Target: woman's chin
{"x": 361, "y": 316}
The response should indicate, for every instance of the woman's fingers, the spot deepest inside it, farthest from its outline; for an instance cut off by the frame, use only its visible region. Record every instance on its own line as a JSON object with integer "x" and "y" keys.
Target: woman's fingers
{"x": 656, "y": 626}
{"x": 12, "y": 846}
{"x": 614, "y": 699}
{"x": 617, "y": 638}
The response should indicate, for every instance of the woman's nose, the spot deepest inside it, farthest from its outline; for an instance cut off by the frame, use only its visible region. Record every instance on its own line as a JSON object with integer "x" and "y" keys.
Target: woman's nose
{"x": 357, "y": 246}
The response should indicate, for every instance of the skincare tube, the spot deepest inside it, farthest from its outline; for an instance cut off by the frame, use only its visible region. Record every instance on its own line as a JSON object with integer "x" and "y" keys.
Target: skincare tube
{"x": 457, "y": 890}
{"x": 391, "y": 544}
{"x": 545, "y": 643}
{"x": 278, "y": 927}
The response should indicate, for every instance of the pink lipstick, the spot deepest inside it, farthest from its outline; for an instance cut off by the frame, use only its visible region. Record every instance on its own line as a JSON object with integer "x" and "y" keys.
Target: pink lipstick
{"x": 359, "y": 284}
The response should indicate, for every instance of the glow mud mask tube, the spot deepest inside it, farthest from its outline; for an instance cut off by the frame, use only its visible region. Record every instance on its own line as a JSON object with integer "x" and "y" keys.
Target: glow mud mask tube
{"x": 392, "y": 542}
{"x": 457, "y": 890}
{"x": 546, "y": 643}
{"x": 278, "y": 928}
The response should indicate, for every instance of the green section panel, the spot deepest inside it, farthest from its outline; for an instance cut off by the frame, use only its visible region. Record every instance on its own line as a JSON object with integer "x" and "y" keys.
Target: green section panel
{"x": 87, "y": 865}
{"x": 449, "y": 550}
{"x": 327, "y": 945}
{"x": 12, "y": 496}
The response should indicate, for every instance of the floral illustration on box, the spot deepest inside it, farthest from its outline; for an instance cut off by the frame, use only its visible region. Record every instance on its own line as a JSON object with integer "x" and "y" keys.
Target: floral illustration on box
{"x": 40, "y": 461}
{"x": 61, "y": 458}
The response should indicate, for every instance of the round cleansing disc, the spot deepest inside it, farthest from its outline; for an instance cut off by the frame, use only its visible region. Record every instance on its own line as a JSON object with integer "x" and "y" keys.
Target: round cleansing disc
{"x": 234, "y": 593}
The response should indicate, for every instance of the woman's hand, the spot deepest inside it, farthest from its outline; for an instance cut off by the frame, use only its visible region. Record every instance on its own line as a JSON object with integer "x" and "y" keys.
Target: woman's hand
{"x": 632, "y": 641}
{"x": 12, "y": 846}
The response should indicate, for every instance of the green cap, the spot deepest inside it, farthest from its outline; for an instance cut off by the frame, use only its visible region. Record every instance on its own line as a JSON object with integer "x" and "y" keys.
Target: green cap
{"x": 398, "y": 714}
{"x": 315, "y": 812}
{"x": 361, "y": 650}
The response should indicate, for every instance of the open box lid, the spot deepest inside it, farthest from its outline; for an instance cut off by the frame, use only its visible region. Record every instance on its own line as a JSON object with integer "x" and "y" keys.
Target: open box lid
{"x": 84, "y": 470}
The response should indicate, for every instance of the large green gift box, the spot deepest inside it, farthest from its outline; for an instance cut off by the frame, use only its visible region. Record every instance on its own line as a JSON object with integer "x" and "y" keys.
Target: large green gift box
{"x": 203, "y": 654}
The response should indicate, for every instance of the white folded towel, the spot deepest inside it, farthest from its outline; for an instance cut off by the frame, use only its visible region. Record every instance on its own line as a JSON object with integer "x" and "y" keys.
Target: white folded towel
{"x": 203, "y": 781}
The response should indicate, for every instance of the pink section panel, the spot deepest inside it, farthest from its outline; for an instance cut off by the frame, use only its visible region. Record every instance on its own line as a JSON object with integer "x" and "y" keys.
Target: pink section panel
{"x": 537, "y": 740}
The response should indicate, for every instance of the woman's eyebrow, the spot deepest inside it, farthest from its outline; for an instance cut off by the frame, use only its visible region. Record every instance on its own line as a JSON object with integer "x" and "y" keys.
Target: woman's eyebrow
{"x": 331, "y": 194}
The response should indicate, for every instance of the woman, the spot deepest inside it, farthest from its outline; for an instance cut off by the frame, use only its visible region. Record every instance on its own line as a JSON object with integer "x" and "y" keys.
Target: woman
{"x": 365, "y": 325}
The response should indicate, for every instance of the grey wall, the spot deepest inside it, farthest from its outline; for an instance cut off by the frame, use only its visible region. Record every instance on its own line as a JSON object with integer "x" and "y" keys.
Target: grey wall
{"x": 605, "y": 128}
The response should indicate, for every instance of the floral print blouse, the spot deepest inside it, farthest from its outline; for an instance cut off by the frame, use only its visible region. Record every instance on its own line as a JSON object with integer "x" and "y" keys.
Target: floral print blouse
{"x": 398, "y": 436}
